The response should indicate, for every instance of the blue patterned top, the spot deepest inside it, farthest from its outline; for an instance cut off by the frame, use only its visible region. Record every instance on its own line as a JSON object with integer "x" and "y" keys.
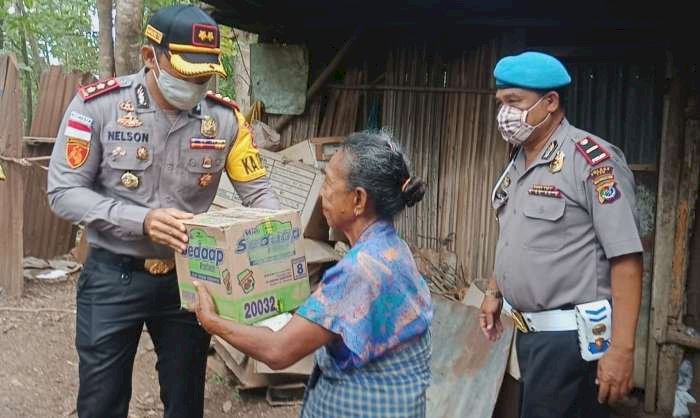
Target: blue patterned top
{"x": 374, "y": 298}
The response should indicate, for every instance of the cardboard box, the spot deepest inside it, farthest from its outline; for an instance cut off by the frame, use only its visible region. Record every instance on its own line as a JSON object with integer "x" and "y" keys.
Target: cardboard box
{"x": 252, "y": 261}
{"x": 297, "y": 186}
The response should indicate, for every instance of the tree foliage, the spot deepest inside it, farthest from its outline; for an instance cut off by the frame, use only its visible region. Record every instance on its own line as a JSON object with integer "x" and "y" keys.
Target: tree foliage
{"x": 65, "y": 32}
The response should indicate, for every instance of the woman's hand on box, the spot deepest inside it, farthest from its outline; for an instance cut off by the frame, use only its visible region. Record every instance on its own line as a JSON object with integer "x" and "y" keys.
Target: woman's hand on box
{"x": 205, "y": 309}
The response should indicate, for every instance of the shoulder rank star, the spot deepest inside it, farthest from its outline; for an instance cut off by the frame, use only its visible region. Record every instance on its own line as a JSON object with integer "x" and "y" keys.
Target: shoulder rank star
{"x": 557, "y": 163}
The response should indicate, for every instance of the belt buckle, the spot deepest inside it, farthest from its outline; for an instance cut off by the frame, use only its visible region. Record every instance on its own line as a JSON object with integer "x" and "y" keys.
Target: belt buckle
{"x": 519, "y": 321}
{"x": 158, "y": 267}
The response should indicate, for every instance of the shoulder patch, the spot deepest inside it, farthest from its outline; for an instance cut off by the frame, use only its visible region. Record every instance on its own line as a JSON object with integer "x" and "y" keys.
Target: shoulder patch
{"x": 226, "y": 101}
{"x": 592, "y": 151}
{"x": 90, "y": 91}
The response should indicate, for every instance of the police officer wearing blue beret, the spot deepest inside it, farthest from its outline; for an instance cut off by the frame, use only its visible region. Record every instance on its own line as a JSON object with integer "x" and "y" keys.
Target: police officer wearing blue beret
{"x": 568, "y": 264}
{"x": 135, "y": 157}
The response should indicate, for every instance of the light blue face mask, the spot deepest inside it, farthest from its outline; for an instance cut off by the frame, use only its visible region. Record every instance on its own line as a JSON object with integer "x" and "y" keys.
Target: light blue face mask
{"x": 181, "y": 94}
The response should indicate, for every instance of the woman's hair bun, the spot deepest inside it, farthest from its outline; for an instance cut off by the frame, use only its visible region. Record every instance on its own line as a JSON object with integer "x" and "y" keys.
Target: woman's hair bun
{"x": 413, "y": 191}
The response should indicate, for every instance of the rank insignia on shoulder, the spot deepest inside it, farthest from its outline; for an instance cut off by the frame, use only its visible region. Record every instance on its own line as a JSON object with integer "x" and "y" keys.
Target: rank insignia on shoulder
{"x": 90, "y": 91}
{"x": 592, "y": 151}
{"x": 604, "y": 181}
{"x": 544, "y": 190}
{"x": 226, "y": 101}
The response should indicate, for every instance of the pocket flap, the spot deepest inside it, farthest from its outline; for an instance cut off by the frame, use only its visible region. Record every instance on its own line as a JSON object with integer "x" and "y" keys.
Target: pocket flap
{"x": 547, "y": 208}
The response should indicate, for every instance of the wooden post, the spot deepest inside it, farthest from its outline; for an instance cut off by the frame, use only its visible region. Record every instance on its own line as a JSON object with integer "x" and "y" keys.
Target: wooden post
{"x": 11, "y": 190}
{"x": 677, "y": 193}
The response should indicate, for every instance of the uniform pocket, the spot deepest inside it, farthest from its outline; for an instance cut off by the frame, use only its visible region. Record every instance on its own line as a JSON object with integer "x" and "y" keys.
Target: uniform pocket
{"x": 127, "y": 168}
{"x": 545, "y": 226}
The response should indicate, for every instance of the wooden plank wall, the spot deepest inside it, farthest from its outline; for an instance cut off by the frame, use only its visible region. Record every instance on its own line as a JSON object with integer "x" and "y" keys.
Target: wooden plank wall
{"x": 11, "y": 190}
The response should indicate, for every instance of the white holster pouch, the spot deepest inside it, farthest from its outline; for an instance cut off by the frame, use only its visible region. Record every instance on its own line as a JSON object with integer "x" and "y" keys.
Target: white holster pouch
{"x": 594, "y": 321}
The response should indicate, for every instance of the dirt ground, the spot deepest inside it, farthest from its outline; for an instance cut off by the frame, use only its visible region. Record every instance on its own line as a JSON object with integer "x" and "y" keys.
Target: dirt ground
{"x": 39, "y": 364}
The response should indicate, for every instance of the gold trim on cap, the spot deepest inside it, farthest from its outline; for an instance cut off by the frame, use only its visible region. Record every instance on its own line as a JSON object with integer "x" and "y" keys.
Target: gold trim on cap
{"x": 190, "y": 69}
{"x": 193, "y": 49}
{"x": 154, "y": 34}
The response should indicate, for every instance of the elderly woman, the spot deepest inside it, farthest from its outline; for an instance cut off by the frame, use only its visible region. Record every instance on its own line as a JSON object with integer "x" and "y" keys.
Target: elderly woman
{"x": 369, "y": 319}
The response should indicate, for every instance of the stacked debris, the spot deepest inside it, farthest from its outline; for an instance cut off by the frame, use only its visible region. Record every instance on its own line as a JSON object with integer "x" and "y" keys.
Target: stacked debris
{"x": 439, "y": 267}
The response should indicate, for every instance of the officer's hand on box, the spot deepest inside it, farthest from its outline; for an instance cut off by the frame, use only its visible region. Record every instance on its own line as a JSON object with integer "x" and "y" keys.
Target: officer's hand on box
{"x": 490, "y": 317}
{"x": 614, "y": 377}
{"x": 164, "y": 226}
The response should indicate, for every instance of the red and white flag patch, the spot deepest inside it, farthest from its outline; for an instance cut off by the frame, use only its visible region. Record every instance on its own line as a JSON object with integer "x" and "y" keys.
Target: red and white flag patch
{"x": 79, "y": 127}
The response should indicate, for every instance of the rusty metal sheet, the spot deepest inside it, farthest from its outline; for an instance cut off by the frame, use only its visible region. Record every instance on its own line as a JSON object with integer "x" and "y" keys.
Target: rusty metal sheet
{"x": 467, "y": 369}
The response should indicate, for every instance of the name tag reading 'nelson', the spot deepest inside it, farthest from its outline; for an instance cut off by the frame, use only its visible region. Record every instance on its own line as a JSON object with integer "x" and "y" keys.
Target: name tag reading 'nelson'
{"x": 127, "y": 136}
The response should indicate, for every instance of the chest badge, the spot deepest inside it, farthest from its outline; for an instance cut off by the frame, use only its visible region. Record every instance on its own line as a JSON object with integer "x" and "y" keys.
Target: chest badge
{"x": 506, "y": 182}
{"x": 142, "y": 153}
{"x": 208, "y": 128}
{"x": 129, "y": 120}
{"x": 205, "y": 180}
{"x": 118, "y": 153}
{"x": 207, "y": 162}
{"x": 557, "y": 163}
{"x": 130, "y": 180}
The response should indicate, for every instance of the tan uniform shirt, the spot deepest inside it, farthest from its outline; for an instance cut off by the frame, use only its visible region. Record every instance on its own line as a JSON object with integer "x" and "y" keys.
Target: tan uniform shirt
{"x": 117, "y": 155}
{"x": 562, "y": 220}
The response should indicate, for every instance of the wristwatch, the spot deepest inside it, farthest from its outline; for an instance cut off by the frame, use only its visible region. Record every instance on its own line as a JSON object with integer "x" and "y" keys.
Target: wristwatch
{"x": 494, "y": 293}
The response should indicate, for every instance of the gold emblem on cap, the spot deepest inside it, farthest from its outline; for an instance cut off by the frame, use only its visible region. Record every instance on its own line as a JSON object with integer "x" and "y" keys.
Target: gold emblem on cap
{"x": 205, "y": 179}
{"x": 142, "y": 153}
{"x": 209, "y": 127}
{"x": 557, "y": 163}
{"x": 206, "y": 35}
{"x": 129, "y": 180}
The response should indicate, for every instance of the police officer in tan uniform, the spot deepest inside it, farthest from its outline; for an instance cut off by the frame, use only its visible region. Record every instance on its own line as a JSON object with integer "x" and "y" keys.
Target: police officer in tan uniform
{"x": 135, "y": 156}
{"x": 568, "y": 240}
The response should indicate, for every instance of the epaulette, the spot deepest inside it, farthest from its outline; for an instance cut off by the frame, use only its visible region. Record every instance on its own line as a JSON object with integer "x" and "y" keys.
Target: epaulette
{"x": 90, "y": 91}
{"x": 226, "y": 101}
{"x": 592, "y": 151}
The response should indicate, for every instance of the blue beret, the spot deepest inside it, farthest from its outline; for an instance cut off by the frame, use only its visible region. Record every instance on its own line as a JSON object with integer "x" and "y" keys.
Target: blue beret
{"x": 531, "y": 70}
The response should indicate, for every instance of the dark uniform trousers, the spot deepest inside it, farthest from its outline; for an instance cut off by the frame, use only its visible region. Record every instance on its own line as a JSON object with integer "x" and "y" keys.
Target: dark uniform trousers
{"x": 555, "y": 381}
{"x": 115, "y": 297}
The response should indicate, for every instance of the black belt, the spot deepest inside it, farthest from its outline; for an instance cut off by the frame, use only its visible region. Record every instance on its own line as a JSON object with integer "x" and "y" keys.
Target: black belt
{"x": 126, "y": 263}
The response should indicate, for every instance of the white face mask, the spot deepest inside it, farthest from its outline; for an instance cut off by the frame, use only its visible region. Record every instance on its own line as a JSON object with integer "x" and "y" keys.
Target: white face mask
{"x": 181, "y": 94}
{"x": 512, "y": 123}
